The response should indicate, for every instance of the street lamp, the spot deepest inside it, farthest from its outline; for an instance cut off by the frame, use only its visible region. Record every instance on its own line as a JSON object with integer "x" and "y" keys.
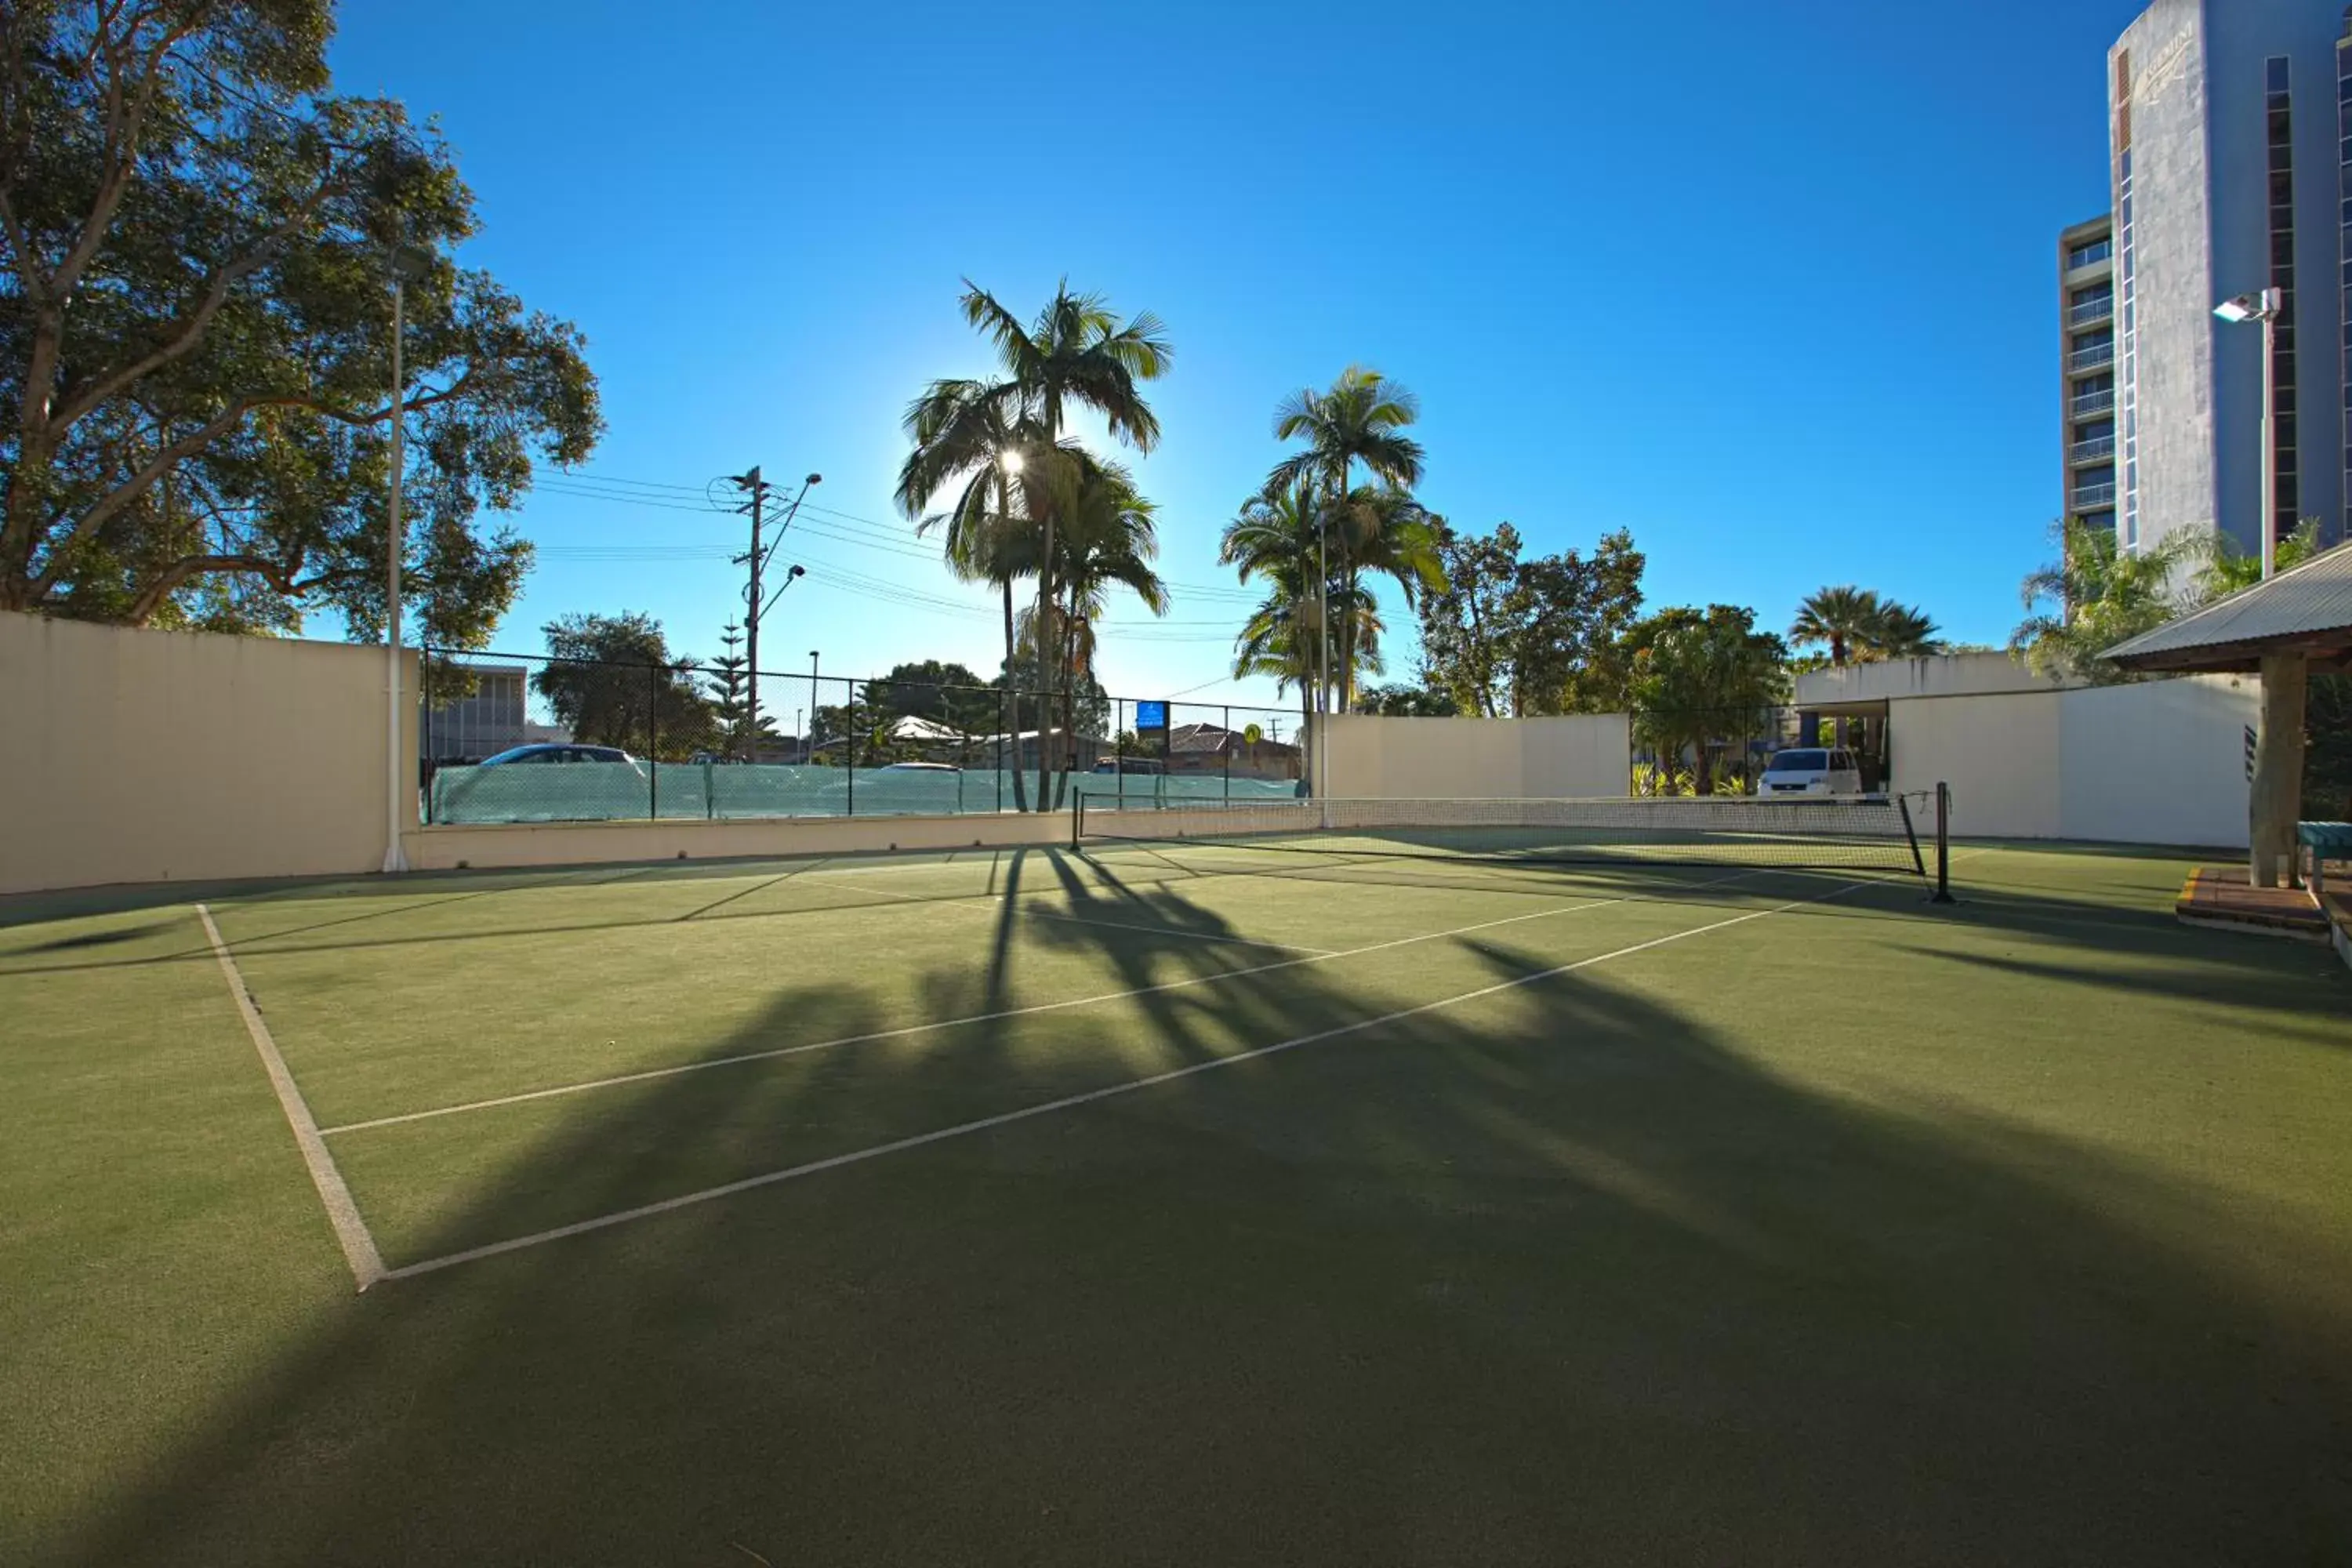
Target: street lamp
{"x": 407, "y": 264}
{"x": 2265, "y": 308}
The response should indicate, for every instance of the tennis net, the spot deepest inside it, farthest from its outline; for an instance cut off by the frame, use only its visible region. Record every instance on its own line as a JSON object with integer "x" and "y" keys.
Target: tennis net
{"x": 1867, "y": 833}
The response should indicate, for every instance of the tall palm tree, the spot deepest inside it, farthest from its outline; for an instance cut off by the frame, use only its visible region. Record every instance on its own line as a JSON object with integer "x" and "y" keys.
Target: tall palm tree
{"x": 1107, "y": 538}
{"x": 1379, "y": 529}
{"x": 1842, "y": 618}
{"x": 1359, "y": 418}
{"x": 970, "y": 433}
{"x": 1076, "y": 351}
{"x": 1278, "y": 643}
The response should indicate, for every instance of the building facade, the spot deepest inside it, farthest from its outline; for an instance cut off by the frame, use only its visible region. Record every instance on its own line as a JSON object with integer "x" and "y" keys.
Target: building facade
{"x": 2229, "y": 145}
{"x": 486, "y": 721}
{"x": 2086, "y": 361}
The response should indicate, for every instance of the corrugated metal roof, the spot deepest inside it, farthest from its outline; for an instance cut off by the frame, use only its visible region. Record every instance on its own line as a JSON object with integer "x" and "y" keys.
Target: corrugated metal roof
{"x": 2312, "y": 601}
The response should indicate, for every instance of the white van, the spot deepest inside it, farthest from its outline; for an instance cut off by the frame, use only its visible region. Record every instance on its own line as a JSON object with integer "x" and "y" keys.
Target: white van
{"x": 1811, "y": 770}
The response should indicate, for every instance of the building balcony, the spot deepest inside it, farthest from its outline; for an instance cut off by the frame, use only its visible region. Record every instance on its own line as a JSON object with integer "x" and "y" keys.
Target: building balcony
{"x": 2092, "y": 403}
{"x": 2085, "y": 496}
{"x": 2097, "y": 449}
{"x": 2092, "y": 358}
{"x": 2090, "y": 310}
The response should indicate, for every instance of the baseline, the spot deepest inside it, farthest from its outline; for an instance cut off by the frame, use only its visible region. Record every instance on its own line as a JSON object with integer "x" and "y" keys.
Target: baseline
{"x": 343, "y": 1213}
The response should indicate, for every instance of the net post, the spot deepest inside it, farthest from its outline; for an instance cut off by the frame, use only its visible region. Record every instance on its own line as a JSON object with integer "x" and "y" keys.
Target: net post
{"x": 1944, "y": 843}
{"x": 1077, "y": 819}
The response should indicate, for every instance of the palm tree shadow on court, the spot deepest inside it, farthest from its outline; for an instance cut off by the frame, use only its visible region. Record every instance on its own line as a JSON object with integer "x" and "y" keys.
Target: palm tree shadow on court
{"x": 1562, "y": 1272}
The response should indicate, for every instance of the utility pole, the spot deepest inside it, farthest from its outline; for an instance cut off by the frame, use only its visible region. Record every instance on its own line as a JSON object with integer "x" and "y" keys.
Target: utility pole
{"x": 758, "y": 488}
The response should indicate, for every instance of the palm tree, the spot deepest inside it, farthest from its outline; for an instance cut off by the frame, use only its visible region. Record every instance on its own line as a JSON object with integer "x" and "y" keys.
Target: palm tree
{"x": 1277, "y": 537}
{"x": 1278, "y": 643}
{"x": 2225, "y": 568}
{"x": 1106, "y": 539}
{"x": 1382, "y": 530}
{"x": 1902, "y": 631}
{"x": 2099, "y": 594}
{"x": 1842, "y": 618}
{"x": 1076, "y": 351}
{"x": 970, "y": 431}
{"x": 1360, "y": 418}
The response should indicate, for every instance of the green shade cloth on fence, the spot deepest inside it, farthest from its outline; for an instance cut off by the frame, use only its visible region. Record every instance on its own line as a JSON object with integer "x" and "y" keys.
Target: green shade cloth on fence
{"x": 617, "y": 792}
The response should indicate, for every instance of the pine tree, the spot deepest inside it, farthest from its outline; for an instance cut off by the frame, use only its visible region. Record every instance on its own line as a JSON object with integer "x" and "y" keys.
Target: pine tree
{"x": 728, "y": 690}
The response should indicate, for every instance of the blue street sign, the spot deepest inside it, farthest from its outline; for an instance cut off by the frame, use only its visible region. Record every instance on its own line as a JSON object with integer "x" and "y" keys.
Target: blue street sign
{"x": 1151, "y": 715}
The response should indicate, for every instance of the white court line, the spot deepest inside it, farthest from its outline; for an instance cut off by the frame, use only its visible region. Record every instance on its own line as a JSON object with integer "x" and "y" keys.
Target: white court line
{"x": 1071, "y": 1101}
{"x": 651, "y": 1074}
{"x": 351, "y": 1230}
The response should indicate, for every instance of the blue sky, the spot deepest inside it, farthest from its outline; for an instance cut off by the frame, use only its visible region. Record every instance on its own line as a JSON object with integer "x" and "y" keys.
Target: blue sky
{"x": 1770, "y": 286}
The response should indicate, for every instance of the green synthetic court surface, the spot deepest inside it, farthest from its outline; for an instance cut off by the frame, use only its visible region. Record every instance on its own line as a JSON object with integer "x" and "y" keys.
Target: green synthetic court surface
{"x": 1188, "y": 1205}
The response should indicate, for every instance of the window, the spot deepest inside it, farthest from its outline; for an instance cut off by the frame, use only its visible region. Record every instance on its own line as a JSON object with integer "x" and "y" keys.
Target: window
{"x": 2098, "y": 340}
{"x": 2103, "y": 381}
{"x": 1799, "y": 762}
{"x": 2095, "y": 429}
{"x": 2089, "y": 253}
{"x": 2092, "y": 294}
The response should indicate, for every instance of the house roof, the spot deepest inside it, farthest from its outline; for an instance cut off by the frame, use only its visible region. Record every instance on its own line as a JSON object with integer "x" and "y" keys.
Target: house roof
{"x": 2305, "y": 610}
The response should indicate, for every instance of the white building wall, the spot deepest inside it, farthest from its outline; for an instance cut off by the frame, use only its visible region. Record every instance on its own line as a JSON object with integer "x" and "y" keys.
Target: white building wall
{"x": 2158, "y": 761}
{"x": 2163, "y": 762}
{"x": 1582, "y": 756}
{"x": 1999, "y": 754}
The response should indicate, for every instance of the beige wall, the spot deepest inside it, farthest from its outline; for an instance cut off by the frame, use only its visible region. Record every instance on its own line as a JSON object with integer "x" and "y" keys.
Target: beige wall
{"x": 141, "y": 756}
{"x": 2000, "y": 754}
{"x": 2160, "y": 762}
{"x": 1582, "y": 756}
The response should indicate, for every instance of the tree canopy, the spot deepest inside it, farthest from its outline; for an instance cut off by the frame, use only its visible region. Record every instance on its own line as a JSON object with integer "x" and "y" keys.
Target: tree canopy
{"x": 611, "y": 682}
{"x": 196, "y": 244}
{"x": 1698, "y": 676}
{"x": 1534, "y": 636}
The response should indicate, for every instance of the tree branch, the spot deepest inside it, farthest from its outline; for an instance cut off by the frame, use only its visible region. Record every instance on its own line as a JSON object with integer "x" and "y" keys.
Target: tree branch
{"x": 183, "y": 335}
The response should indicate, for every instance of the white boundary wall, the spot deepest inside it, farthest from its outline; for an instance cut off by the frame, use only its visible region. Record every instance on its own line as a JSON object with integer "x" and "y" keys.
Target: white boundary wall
{"x": 1581, "y": 756}
{"x": 2158, "y": 761}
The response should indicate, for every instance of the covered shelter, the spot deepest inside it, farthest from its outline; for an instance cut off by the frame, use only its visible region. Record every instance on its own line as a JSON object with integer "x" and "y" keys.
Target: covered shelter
{"x": 2285, "y": 627}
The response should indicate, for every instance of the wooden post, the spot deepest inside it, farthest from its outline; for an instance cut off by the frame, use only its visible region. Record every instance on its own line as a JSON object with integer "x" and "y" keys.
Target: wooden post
{"x": 2276, "y": 802}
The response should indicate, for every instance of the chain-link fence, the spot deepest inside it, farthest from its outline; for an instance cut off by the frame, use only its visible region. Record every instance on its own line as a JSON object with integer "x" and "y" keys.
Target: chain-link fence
{"x": 526, "y": 737}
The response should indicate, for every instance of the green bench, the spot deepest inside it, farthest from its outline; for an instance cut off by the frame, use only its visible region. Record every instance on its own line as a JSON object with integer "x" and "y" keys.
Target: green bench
{"x": 2324, "y": 839}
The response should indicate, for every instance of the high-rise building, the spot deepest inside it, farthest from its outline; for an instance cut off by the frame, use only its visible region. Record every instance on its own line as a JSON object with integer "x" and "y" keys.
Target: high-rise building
{"x": 2229, "y": 139}
{"x": 2086, "y": 339}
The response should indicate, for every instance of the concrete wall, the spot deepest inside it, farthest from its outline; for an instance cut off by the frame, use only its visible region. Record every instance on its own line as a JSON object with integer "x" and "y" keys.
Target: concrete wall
{"x": 1945, "y": 675}
{"x": 140, "y": 756}
{"x": 2154, "y": 763}
{"x": 1494, "y": 758}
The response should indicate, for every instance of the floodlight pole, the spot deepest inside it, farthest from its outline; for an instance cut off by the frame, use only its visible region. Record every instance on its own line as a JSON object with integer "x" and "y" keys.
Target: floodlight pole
{"x": 2271, "y": 303}
{"x": 2264, "y": 307}
{"x": 406, "y": 262}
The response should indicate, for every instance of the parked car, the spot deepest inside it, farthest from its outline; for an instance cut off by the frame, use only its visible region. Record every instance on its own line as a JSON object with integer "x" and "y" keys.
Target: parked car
{"x": 919, "y": 768}
{"x": 551, "y": 751}
{"x": 1811, "y": 770}
{"x": 1139, "y": 766}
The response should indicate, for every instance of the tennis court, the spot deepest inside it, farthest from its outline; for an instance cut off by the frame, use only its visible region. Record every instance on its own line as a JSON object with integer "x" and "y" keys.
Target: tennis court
{"x": 1476, "y": 1188}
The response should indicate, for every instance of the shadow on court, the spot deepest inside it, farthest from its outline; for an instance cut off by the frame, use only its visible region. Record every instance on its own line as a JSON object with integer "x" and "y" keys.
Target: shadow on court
{"x": 1567, "y": 1273}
